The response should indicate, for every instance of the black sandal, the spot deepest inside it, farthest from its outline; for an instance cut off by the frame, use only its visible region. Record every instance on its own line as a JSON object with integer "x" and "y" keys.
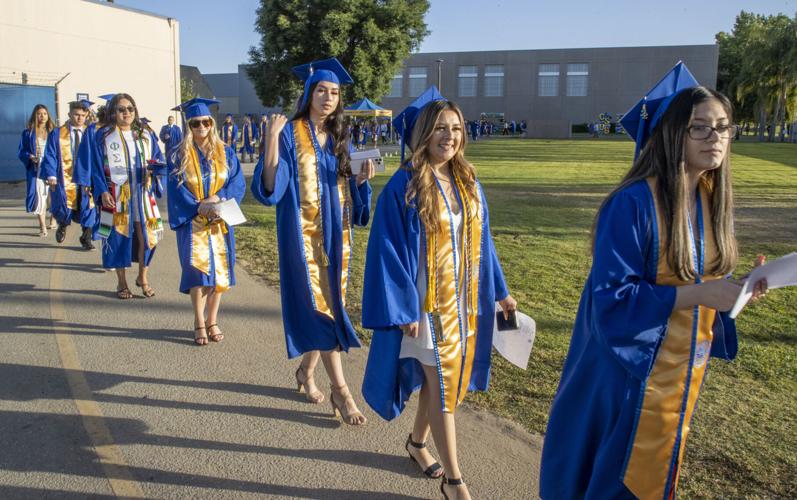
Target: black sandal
{"x": 201, "y": 339}
{"x": 146, "y": 289}
{"x": 215, "y": 338}
{"x": 429, "y": 472}
{"x": 124, "y": 293}
{"x": 451, "y": 482}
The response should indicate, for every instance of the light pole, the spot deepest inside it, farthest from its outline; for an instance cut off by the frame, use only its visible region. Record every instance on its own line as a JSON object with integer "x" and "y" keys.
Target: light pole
{"x": 439, "y": 74}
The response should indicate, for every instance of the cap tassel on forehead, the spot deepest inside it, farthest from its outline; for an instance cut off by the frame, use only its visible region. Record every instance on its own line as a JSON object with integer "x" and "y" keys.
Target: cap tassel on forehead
{"x": 643, "y": 117}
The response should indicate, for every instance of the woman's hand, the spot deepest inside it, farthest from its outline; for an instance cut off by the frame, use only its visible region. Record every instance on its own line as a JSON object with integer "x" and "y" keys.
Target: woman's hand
{"x": 410, "y": 329}
{"x": 207, "y": 207}
{"x": 508, "y": 305}
{"x": 366, "y": 172}
{"x": 276, "y": 122}
{"x": 760, "y": 288}
{"x": 107, "y": 200}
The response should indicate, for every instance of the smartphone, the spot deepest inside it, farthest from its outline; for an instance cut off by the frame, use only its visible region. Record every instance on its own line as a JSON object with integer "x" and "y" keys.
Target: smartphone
{"x": 358, "y": 157}
{"x": 506, "y": 324}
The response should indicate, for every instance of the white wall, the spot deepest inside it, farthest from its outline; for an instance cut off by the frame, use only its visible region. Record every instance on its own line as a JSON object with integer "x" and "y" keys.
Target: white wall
{"x": 105, "y": 48}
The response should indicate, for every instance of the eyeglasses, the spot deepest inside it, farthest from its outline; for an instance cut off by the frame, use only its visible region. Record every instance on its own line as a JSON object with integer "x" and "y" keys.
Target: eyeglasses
{"x": 122, "y": 109}
{"x": 703, "y": 132}
{"x": 196, "y": 123}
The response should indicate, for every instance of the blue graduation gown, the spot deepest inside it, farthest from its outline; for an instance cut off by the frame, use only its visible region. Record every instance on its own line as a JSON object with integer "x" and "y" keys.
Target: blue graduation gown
{"x": 390, "y": 299}
{"x": 305, "y": 328}
{"x": 27, "y": 148}
{"x": 229, "y": 139}
{"x": 118, "y": 251}
{"x": 623, "y": 318}
{"x": 171, "y": 135}
{"x": 249, "y": 142}
{"x": 183, "y": 208}
{"x": 51, "y": 166}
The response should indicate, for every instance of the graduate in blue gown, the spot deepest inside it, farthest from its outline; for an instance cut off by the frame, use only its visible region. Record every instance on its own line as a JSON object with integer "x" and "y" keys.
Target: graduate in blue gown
{"x": 31, "y": 149}
{"x": 306, "y": 173}
{"x": 229, "y": 132}
{"x": 249, "y": 139}
{"x": 171, "y": 135}
{"x": 121, "y": 161}
{"x": 69, "y": 203}
{"x": 203, "y": 171}
{"x": 261, "y": 134}
{"x": 652, "y": 313}
{"x": 432, "y": 279}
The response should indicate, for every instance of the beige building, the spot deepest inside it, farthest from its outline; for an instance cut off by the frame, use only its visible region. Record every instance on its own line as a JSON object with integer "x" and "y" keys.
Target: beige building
{"x": 91, "y": 47}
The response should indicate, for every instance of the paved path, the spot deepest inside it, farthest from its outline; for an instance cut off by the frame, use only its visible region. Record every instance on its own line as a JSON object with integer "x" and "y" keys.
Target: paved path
{"x": 102, "y": 397}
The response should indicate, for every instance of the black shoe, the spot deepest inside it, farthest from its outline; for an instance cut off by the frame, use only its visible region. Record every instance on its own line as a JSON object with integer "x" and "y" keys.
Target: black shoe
{"x": 432, "y": 469}
{"x": 85, "y": 239}
{"x": 60, "y": 233}
{"x": 452, "y": 482}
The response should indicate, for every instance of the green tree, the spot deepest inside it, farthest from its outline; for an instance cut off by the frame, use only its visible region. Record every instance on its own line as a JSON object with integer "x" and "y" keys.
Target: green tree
{"x": 371, "y": 38}
{"x": 186, "y": 90}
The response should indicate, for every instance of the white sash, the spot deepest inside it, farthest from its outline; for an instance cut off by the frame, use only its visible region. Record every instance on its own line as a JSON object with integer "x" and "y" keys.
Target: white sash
{"x": 115, "y": 151}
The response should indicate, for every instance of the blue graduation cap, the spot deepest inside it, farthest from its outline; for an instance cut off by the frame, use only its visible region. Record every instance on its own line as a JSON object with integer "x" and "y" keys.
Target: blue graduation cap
{"x": 325, "y": 70}
{"x": 198, "y": 106}
{"x": 643, "y": 117}
{"x": 85, "y": 103}
{"x": 404, "y": 122}
{"x": 107, "y": 97}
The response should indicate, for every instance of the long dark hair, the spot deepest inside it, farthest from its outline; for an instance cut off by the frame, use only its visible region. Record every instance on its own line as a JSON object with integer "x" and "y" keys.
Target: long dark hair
{"x": 336, "y": 126}
{"x": 109, "y": 115}
{"x": 50, "y": 125}
{"x": 662, "y": 158}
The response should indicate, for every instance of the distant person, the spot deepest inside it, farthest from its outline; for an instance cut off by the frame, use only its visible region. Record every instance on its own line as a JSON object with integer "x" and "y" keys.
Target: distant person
{"x": 306, "y": 173}
{"x": 203, "y": 171}
{"x": 383, "y": 132}
{"x": 229, "y": 132}
{"x": 30, "y": 152}
{"x": 262, "y": 129}
{"x": 505, "y": 130}
{"x": 355, "y": 135}
{"x": 431, "y": 283}
{"x": 171, "y": 135}
{"x": 512, "y": 127}
{"x": 474, "y": 129}
{"x": 248, "y": 139}
{"x": 523, "y": 128}
{"x": 69, "y": 202}
{"x": 654, "y": 307}
{"x": 120, "y": 162}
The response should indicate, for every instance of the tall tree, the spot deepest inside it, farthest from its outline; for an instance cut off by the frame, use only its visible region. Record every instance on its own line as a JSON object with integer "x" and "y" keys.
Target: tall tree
{"x": 371, "y": 38}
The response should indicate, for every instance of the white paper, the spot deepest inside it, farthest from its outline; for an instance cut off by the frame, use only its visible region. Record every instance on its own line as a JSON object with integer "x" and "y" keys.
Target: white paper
{"x": 230, "y": 212}
{"x": 778, "y": 273}
{"x": 515, "y": 345}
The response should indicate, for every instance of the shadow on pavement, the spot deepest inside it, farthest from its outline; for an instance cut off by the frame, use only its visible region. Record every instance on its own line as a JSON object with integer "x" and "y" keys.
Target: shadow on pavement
{"x": 25, "y": 264}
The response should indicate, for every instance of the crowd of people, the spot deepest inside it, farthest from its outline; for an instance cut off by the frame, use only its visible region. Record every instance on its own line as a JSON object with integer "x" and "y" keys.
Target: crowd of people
{"x": 653, "y": 309}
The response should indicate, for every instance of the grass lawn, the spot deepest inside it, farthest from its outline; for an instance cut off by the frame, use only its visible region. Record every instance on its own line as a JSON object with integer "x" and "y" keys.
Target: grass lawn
{"x": 543, "y": 196}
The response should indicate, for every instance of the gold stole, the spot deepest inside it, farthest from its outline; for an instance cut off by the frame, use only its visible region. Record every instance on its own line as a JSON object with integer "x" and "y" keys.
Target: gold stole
{"x": 228, "y": 135}
{"x": 674, "y": 382}
{"x": 310, "y": 202}
{"x": 444, "y": 286}
{"x": 65, "y": 142}
{"x": 208, "y": 235}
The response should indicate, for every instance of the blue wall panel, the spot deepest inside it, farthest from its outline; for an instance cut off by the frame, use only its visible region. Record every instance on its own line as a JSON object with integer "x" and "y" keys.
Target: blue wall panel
{"x": 16, "y": 104}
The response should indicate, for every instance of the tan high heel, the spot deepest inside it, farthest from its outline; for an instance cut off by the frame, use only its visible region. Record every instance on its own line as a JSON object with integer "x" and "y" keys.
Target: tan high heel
{"x": 313, "y": 397}
{"x": 352, "y": 418}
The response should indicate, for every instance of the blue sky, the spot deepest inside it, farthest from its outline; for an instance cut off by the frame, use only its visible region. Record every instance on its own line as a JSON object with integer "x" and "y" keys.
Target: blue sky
{"x": 216, "y": 36}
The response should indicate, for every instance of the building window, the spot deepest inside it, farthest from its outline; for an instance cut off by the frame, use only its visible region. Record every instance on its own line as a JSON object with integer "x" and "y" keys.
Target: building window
{"x": 494, "y": 81}
{"x": 548, "y": 80}
{"x": 395, "y": 85}
{"x": 577, "y": 79}
{"x": 417, "y": 81}
{"x": 467, "y": 81}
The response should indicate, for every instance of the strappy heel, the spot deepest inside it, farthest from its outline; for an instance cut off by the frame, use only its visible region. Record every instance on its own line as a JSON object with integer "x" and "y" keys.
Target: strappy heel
{"x": 429, "y": 471}
{"x": 217, "y": 337}
{"x": 450, "y": 482}
{"x": 338, "y": 410}
{"x": 200, "y": 339}
{"x": 301, "y": 385}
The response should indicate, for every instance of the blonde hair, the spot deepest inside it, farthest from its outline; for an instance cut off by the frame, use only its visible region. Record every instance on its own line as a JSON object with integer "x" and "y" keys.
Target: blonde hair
{"x": 422, "y": 188}
{"x": 184, "y": 148}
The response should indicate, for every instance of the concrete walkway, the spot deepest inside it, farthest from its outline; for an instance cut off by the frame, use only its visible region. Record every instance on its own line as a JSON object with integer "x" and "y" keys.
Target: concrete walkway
{"x": 103, "y": 397}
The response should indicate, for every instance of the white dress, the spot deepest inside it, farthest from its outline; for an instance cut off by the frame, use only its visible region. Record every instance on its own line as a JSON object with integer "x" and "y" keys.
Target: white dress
{"x": 42, "y": 190}
{"x": 422, "y": 346}
{"x": 135, "y": 200}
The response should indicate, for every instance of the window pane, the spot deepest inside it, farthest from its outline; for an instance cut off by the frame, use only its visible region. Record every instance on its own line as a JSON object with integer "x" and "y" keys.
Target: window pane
{"x": 395, "y": 86}
{"x": 467, "y": 81}
{"x": 548, "y": 80}
{"x": 417, "y": 81}
{"x": 494, "y": 80}
{"x": 577, "y": 79}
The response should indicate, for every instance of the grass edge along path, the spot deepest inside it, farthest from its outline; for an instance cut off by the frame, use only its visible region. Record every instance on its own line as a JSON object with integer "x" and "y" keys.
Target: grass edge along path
{"x": 543, "y": 196}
